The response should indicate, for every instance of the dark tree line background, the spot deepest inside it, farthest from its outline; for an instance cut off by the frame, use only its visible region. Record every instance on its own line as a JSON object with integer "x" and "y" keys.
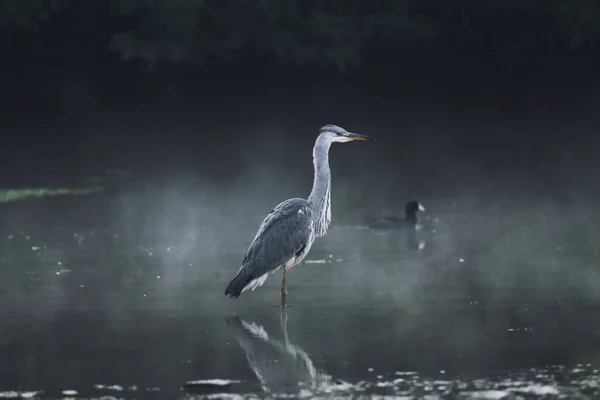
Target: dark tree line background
{"x": 317, "y": 33}
{"x": 68, "y": 64}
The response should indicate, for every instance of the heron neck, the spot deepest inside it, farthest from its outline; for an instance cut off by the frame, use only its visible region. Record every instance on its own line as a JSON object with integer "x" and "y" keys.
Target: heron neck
{"x": 320, "y": 196}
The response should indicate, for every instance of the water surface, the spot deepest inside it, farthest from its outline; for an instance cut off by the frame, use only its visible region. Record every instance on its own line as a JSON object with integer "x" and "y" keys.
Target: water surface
{"x": 111, "y": 297}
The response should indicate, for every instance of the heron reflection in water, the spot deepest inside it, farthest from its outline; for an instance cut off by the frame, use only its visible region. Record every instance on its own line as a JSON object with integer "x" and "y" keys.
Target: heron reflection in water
{"x": 281, "y": 367}
{"x": 287, "y": 233}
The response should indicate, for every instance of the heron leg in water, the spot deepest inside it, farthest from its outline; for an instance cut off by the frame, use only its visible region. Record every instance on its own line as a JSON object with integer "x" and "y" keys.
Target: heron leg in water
{"x": 283, "y": 289}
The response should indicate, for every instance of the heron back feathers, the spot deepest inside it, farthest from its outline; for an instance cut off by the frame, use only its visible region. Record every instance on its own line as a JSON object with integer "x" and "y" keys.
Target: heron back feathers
{"x": 285, "y": 232}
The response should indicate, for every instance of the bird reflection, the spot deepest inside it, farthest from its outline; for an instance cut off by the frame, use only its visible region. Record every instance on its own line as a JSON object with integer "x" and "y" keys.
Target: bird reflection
{"x": 414, "y": 241}
{"x": 280, "y": 366}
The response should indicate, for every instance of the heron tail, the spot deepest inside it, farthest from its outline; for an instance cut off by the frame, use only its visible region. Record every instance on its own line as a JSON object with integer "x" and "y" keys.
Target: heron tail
{"x": 237, "y": 285}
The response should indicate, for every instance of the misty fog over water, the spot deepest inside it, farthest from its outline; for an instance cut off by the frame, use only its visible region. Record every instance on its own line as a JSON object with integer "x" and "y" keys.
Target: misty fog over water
{"x": 127, "y": 286}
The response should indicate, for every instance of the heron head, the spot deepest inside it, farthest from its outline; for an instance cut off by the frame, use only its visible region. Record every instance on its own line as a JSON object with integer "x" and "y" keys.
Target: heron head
{"x": 337, "y": 134}
{"x": 413, "y": 206}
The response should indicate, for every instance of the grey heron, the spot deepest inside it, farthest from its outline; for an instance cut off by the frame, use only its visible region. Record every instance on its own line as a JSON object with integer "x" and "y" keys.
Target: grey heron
{"x": 286, "y": 235}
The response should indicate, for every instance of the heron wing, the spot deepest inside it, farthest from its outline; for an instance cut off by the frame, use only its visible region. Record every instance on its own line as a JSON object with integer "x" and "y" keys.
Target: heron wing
{"x": 282, "y": 234}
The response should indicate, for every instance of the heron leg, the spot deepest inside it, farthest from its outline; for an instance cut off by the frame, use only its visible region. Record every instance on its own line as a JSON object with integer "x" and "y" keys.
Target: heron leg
{"x": 284, "y": 289}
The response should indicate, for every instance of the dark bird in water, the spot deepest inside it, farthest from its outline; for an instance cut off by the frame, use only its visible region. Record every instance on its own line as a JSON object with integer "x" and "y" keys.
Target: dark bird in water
{"x": 408, "y": 222}
{"x": 287, "y": 233}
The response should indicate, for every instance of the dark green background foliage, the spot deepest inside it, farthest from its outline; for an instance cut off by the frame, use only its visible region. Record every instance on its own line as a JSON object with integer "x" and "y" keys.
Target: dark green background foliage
{"x": 28, "y": 14}
{"x": 319, "y": 32}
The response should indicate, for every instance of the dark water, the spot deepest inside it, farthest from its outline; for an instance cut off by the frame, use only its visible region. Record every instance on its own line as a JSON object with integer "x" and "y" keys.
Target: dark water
{"x": 115, "y": 296}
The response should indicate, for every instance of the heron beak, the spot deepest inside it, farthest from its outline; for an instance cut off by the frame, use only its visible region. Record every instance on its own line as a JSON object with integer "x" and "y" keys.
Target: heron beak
{"x": 358, "y": 136}
{"x": 421, "y": 208}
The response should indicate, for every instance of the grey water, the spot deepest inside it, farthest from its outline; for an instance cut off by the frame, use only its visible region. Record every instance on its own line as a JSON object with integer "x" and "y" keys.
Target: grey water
{"x": 122, "y": 295}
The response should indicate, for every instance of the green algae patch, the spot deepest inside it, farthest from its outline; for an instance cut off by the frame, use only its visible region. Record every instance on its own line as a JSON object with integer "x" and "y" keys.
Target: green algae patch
{"x": 9, "y": 195}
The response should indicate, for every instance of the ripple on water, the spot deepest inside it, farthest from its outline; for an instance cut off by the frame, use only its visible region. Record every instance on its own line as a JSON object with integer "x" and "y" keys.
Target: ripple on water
{"x": 547, "y": 383}
{"x": 553, "y": 382}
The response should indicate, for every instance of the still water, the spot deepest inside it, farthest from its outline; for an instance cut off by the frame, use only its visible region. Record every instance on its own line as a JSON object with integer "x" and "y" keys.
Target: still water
{"x": 106, "y": 298}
